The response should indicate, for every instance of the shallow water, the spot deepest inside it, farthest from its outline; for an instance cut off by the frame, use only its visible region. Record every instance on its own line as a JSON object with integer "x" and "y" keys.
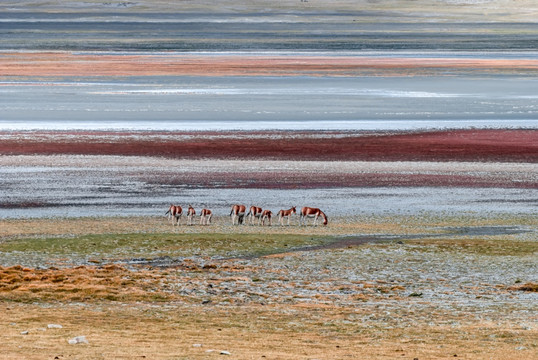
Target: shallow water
{"x": 481, "y": 97}
{"x": 69, "y": 195}
{"x": 291, "y": 103}
{"x": 299, "y": 29}
{"x": 452, "y": 97}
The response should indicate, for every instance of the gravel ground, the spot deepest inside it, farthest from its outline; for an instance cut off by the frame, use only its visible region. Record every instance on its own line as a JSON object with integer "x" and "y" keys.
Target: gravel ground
{"x": 409, "y": 281}
{"x": 455, "y": 288}
{"x": 77, "y": 185}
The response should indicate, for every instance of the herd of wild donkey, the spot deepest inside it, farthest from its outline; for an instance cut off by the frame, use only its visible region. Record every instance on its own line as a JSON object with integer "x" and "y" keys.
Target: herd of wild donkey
{"x": 255, "y": 215}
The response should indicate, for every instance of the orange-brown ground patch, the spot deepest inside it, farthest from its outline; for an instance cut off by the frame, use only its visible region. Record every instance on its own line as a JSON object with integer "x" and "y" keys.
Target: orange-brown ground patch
{"x": 83, "y": 283}
{"x": 129, "y": 315}
{"x": 143, "y": 331}
{"x": 87, "y": 64}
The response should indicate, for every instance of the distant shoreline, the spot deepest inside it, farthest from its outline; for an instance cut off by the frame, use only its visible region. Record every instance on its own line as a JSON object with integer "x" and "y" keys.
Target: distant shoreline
{"x": 296, "y": 126}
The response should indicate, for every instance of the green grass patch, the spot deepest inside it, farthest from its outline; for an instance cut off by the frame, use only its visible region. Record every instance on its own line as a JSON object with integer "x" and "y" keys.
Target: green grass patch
{"x": 118, "y": 246}
{"x": 480, "y": 246}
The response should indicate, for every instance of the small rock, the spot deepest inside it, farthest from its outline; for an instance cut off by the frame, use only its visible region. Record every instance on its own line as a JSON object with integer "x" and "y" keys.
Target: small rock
{"x": 225, "y": 352}
{"x": 78, "y": 340}
{"x": 25, "y": 332}
{"x": 196, "y": 345}
{"x": 54, "y": 326}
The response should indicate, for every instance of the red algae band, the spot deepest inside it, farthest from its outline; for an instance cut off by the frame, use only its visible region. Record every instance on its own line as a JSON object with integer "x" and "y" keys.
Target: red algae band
{"x": 485, "y": 145}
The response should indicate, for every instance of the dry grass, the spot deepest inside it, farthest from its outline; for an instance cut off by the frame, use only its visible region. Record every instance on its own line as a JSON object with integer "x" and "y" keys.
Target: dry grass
{"x": 78, "y": 226}
{"x": 82, "y": 283}
{"x": 492, "y": 246}
{"x": 25, "y": 228}
{"x": 247, "y": 332}
{"x": 343, "y": 303}
{"x": 531, "y": 287}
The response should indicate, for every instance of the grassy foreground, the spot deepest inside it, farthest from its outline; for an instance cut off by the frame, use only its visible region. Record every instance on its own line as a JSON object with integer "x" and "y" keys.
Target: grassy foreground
{"x": 423, "y": 287}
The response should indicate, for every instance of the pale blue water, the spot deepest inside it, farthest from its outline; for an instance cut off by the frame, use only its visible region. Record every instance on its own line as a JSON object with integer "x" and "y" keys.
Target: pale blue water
{"x": 251, "y": 103}
{"x": 475, "y": 99}
{"x": 256, "y": 103}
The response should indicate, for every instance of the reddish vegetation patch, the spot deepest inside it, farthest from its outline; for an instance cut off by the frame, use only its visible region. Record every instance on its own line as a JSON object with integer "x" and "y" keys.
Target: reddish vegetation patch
{"x": 449, "y": 145}
{"x": 305, "y": 180}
